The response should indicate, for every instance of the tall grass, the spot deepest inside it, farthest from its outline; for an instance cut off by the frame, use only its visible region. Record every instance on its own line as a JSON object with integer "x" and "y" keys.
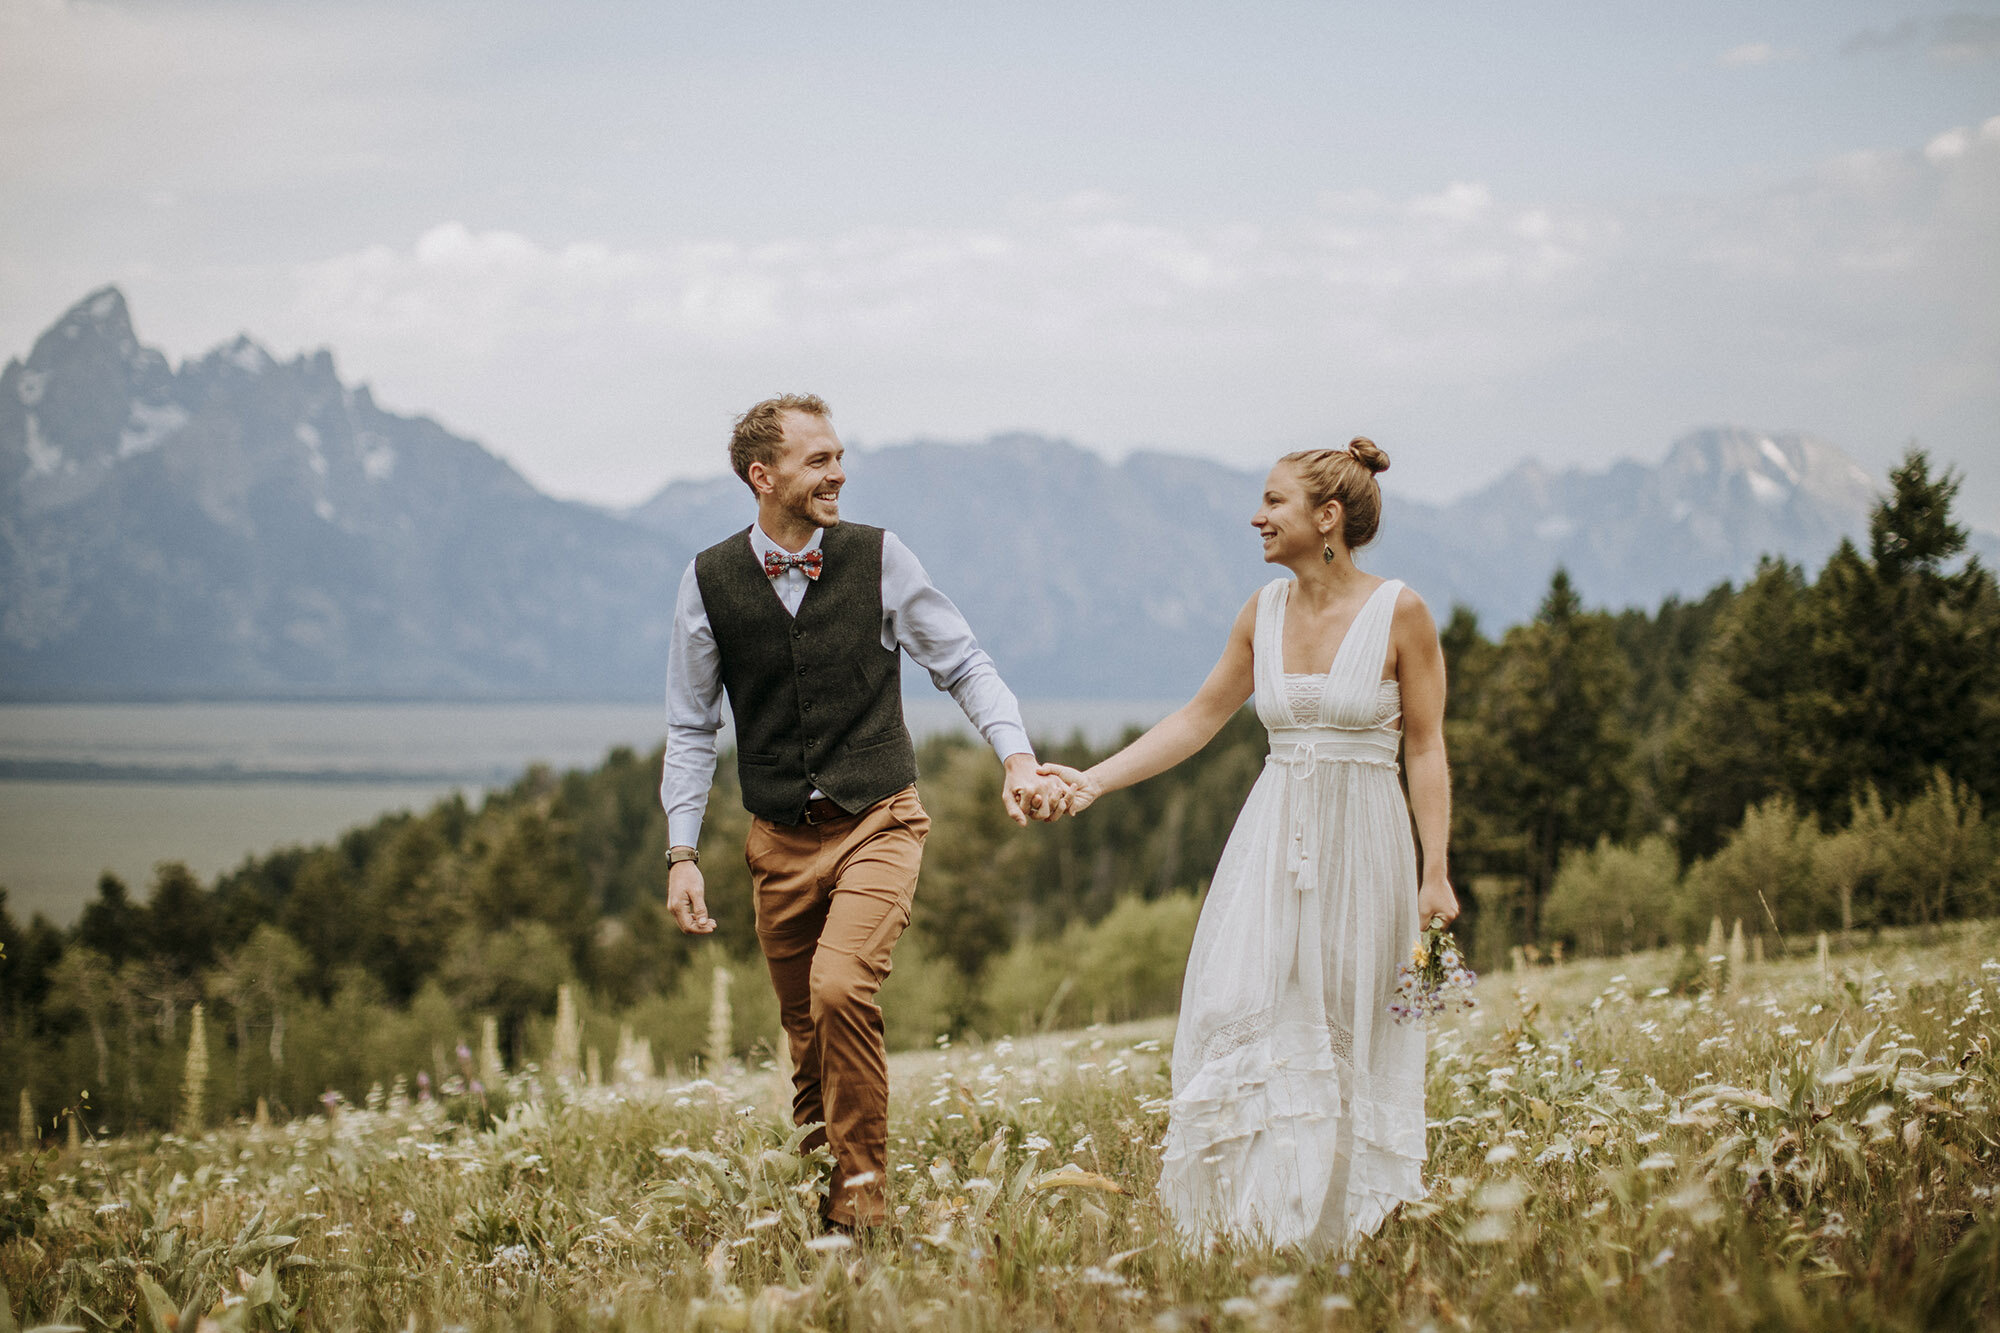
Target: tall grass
{"x": 1813, "y": 1148}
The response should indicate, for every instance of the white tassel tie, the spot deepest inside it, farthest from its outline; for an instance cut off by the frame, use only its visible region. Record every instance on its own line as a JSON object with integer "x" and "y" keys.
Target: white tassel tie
{"x": 1301, "y": 751}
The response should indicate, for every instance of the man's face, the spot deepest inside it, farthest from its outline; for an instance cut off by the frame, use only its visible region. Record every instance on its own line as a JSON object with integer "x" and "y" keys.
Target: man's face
{"x": 806, "y": 477}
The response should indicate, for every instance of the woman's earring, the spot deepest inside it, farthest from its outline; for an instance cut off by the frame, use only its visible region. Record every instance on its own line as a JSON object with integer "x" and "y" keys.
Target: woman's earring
{"x": 1326, "y": 551}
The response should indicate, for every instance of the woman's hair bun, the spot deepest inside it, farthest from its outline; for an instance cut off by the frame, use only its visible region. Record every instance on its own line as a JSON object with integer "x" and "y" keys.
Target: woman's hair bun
{"x": 1368, "y": 453}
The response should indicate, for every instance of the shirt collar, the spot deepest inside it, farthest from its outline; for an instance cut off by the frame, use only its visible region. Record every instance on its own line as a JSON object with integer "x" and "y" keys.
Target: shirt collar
{"x": 762, "y": 545}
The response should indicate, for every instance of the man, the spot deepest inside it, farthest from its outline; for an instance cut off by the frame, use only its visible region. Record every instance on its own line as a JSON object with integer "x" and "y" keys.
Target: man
{"x": 801, "y": 620}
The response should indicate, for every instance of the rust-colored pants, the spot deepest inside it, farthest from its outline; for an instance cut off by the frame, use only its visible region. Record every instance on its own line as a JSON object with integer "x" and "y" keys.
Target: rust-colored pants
{"x": 832, "y": 899}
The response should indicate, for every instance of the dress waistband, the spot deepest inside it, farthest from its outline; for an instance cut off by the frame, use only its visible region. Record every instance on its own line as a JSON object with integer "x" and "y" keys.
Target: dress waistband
{"x": 1300, "y": 751}
{"x": 1301, "y": 748}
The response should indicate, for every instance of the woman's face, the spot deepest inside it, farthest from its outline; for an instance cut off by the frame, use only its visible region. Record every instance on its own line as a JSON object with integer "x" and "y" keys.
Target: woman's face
{"x": 1289, "y": 530}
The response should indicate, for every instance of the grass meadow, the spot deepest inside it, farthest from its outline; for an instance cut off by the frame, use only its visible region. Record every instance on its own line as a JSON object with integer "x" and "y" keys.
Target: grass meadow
{"x": 1808, "y": 1143}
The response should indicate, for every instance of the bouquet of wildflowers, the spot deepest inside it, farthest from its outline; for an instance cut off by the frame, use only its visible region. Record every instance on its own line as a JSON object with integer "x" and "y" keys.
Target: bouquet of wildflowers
{"x": 1435, "y": 979}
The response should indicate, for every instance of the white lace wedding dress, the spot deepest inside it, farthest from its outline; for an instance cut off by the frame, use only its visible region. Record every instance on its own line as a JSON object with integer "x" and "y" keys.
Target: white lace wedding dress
{"x": 1298, "y": 1108}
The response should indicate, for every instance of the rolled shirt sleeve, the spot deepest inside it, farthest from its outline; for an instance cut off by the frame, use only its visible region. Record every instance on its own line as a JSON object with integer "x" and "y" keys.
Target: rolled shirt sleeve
{"x": 694, "y": 715}
{"x": 916, "y": 615}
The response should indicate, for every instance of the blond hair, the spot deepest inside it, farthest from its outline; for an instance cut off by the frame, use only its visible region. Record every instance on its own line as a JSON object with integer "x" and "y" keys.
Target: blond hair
{"x": 759, "y": 434}
{"x": 1348, "y": 476}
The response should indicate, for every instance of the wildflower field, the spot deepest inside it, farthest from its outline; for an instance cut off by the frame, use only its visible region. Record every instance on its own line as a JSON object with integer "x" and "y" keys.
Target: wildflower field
{"x": 1809, "y": 1143}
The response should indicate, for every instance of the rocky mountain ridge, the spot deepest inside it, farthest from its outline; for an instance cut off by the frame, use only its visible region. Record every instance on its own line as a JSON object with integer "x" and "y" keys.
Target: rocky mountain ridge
{"x": 247, "y": 528}
{"x": 241, "y": 527}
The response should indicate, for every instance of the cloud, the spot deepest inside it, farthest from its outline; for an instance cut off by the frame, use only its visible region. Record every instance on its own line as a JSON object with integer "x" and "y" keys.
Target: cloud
{"x": 1966, "y": 39}
{"x": 1041, "y": 277}
{"x": 500, "y": 232}
{"x": 1898, "y": 37}
{"x": 1750, "y": 53}
{"x": 1950, "y": 39}
{"x": 1121, "y": 327}
{"x": 172, "y": 92}
{"x": 1457, "y": 202}
{"x": 1855, "y": 299}
{"x": 1952, "y": 143}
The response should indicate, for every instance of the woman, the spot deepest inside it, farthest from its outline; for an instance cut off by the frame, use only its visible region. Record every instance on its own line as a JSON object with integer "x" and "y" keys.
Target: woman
{"x": 1298, "y": 1108}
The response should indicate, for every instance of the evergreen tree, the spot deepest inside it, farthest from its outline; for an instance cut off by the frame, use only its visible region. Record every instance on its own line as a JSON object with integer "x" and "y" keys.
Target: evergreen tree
{"x": 526, "y": 865}
{"x": 112, "y": 923}
{"x": 975, "y": 861}
{"x": 27, "y": 953}
{"x": 1907, "y": 654}
{"x": 1543, "y": 768}
{"x": 1664, "y": 652}
{"x": 1468, "y": 660}
{"x": 1468, "y": 665}
{"x": 179, "y": 920}
{"x": 1941, "y": 853}
{"x": 403, "y": 886}
{"x": 319, "y": 915}
{"x": 80, "y": 986}
{"x": 1738, "y": 733}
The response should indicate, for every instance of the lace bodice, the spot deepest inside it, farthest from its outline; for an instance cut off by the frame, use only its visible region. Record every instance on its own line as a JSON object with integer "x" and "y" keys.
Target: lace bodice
{"x": 1302, "y": 691}
{"x": 1350, "y": 695}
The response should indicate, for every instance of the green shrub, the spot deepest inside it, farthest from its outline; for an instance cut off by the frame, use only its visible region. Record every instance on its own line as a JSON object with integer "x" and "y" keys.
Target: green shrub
{"x": 1766, "y": 870}
{"x": 1850, "y": 865}
{"x": 1614, "y": 899}
{"x": 920, "y": 997}
{"x": 1939, "y": 861}
{"x": 1128, "y": 965}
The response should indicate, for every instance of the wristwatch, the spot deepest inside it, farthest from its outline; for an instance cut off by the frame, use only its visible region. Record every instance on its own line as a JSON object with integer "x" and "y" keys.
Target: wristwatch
{"x": 675, "y": 855}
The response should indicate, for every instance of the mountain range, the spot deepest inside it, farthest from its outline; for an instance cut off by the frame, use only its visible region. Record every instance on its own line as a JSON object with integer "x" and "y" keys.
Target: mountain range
{"x": 242, "y": 527}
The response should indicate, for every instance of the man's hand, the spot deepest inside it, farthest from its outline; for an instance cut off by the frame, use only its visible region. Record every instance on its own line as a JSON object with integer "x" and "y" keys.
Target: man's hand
{"x": 1434, "y": 900}
{"x": 685, "y": 899}
{"x": 1028, "y": 794}
{"x": 1083, "y": 789}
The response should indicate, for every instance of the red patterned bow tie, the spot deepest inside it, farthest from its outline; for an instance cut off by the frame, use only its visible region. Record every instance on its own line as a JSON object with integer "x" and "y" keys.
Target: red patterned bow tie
{"x": 806, "y": 562}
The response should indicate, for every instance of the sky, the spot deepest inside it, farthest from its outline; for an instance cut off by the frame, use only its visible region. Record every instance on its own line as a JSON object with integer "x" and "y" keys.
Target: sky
{"x": 589, "y": 234}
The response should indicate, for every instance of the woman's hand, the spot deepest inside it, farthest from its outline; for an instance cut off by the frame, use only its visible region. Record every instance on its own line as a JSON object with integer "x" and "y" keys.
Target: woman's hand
{"x": 1083, "y": 789}
{"x": 1435, "y": 899}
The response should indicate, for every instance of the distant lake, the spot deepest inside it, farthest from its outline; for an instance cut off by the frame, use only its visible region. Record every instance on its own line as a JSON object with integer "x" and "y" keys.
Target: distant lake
{"x": 86, "y": 788}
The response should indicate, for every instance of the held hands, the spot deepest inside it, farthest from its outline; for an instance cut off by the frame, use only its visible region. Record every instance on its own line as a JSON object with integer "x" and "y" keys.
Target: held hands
{"x": 1080, "y": 789}
{"x": 1436, "y": 900}
{"x": 686, "y": 901}
{"x": 1029, "y": 794}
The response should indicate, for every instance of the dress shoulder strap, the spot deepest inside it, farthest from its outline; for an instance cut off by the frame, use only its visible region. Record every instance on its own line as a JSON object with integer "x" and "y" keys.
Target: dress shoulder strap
{"x": 1267, "y": 652}
{"x": 1358, "y": 665}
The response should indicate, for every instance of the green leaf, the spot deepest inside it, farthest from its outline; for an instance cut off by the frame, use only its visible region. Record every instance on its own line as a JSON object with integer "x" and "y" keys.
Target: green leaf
{"x": 158, "y": 1308}
{"x": 258, "y": 1248}
{"x": 983, "y": 1159}
{"x": 249, "y": 1229}
{"x": 167, "y": 1249}
{"x": 1019, "y": 1185}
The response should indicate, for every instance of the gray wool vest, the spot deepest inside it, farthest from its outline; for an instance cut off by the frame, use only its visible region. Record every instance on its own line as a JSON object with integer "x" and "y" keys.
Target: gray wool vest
{"x": 818, "y": 700}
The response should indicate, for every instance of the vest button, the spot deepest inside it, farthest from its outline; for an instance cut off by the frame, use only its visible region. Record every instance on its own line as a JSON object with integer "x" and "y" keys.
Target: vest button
{"x": 807, "y": 708}
{"x": 810, "y": 742}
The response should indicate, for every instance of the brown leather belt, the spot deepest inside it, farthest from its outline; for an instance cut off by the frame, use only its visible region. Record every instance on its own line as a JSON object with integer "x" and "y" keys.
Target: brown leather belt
{"x": 824, "y": 811}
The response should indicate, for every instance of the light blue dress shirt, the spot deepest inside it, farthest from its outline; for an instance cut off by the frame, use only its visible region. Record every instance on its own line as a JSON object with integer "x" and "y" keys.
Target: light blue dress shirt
{"x": 915, "y": 615}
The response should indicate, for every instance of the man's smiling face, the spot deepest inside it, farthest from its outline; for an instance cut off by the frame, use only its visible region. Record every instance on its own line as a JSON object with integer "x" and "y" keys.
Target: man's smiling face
{"x": 806, "y": 477}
